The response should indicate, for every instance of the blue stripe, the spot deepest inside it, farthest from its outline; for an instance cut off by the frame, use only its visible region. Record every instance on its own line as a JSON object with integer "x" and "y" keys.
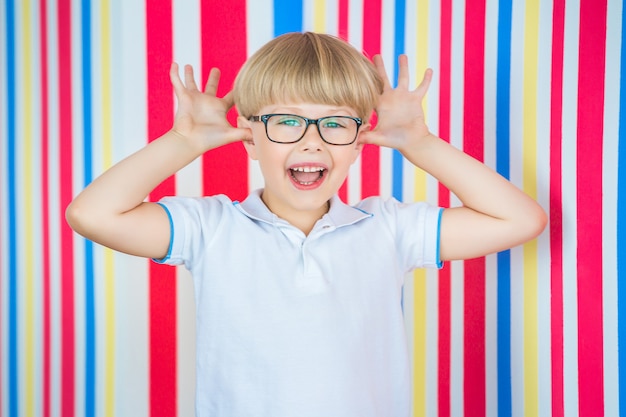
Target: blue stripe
{"x": 90, "y": 320}
{"x": 399, "y": 48}
{"x": 12, "y": 252}
{"x": 287, "y": 16}
{"x": 621, "y": 226}
{"x": 503, "y": 109}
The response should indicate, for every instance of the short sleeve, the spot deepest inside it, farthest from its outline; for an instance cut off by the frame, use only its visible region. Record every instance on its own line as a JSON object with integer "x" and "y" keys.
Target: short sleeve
{"x": 416, "y": 228}
{"x": 193, "y": 222}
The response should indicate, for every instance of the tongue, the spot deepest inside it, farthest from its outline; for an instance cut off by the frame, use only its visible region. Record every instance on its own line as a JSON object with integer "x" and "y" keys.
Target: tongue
{"x": 305, "y": 177}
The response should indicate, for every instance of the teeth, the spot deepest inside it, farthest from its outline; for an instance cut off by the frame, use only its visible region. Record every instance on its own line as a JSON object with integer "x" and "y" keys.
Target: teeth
{"x": 308, "y": 169}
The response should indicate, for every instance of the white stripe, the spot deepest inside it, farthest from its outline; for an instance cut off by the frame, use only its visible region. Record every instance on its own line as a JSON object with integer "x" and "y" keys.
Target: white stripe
{"x": 432, "y": 340}
{"x": 308, "y": 15}
{"x": 410, "y": 48}
{"x": 186, "y": 50}
{"x": 408, "y": 307}
{"x": 457, "y": 336}
{"x": 355, "y": 37}
{"x": 55, "y": 213}
{"x": 387, "y": 51}
{"x": 569, "y": 122}
{"x": 609, "y": 205}
{"x": 186, "y": 343}
{"x": 332, "y": 17}
{"x": 132, "y": 337}
{"x": 260, "y": 30}
{"x": 130, "y": 133}
{"x": 408, "y": 181}
{"x": 434, "y": 62}
{"x": 490, "y": 88}
{"x": 259, "y": 23}
{"x": 186, "y": 36}
{"x": 355, "y": 23}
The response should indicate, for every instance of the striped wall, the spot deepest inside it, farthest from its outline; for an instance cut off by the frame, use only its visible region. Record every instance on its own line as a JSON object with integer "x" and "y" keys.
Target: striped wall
{"x": 532, "y": 88}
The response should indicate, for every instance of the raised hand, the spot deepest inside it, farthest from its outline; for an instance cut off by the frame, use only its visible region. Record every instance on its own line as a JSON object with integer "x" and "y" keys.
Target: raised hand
{"x": 400, "y": 113}
{"x": 201, "y": 116}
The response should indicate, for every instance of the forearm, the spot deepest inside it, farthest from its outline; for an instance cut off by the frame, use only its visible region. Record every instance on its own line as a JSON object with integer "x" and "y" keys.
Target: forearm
{"x": 475, "y": 184}
{"x": 112, "y": 211}
{"x": 496, "y": 215}
{"x": 126, "y": 185}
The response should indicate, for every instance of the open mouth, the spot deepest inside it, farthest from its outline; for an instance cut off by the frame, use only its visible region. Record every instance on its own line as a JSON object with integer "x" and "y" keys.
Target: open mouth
{"x": 307, "y": 175}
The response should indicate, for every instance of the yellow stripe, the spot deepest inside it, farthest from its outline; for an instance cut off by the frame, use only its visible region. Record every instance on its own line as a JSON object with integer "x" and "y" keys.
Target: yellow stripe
{"x": 529, "y": 179}
{"x": 28, "y": 214}
{"x": 420, "y": 302}
{"x": 422, "y": 37}
{"x": 107, "y": 159}
{"x": 419, "y": 342}
{"x": 319, "y": 16}
{"x": 28, "y": 189}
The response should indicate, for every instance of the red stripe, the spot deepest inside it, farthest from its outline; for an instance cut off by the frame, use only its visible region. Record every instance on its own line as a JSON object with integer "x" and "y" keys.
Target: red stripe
{"x": 163, "y": 387}
{"x": 474, "y": 285}
{"x": 343, "y": 191}
{"x": 444, "y": 335}
{"x": 556, "y": 209}
{"x": 370, "y": 156}
{"x": 65, "y": 196}
{"x": 592, "y": 48}
{"x": 224, "y": 46}
{"x": 343, "y": 21}
{"x": 45, "y": 208}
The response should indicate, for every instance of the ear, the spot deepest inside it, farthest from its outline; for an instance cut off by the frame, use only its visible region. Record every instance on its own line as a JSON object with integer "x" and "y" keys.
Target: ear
{"x": 358, "y": 145}
{"x": 242, "y": 122}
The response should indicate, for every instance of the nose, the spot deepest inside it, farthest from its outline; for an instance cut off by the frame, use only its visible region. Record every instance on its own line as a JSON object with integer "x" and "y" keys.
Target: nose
{"x": 311, "y": 139}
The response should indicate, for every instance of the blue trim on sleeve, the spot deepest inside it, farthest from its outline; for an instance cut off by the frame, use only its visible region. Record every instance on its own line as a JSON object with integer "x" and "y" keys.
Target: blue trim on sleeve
{"x": 438, "y": 256}
{"x": 169, "y": 249}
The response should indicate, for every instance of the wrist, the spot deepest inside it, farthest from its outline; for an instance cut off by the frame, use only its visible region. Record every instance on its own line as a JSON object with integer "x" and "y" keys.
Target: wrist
{"x": 187, "y": 142}
{"x": 418, "y": 143}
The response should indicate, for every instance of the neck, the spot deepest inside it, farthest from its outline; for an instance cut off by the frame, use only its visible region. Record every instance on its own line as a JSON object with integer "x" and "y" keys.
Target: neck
{"x": 306, "y": 220}
{"x": 302, "y": 219}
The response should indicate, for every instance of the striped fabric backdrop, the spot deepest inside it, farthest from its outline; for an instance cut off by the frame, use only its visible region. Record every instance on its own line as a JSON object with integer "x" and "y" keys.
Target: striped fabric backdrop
{"x": 535, "y": 89}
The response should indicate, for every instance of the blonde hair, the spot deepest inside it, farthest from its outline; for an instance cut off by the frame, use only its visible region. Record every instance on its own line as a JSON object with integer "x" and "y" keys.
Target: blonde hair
{"x": 309, "y": 67}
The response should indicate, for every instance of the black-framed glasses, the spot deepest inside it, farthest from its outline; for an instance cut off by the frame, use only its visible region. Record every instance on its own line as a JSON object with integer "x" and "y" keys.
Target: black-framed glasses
{"x": 290, "y": 128}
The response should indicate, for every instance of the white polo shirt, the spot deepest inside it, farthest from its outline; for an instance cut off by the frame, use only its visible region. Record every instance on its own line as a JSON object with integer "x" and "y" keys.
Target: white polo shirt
{"x": 293, "y": 325}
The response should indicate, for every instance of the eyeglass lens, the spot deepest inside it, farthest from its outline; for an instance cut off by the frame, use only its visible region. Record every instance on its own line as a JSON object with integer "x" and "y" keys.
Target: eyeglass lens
{"x": 336, "y": 130}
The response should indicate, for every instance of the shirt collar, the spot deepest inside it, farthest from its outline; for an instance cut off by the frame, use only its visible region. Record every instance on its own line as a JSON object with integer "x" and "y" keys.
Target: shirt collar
{"x": 339, "y": 214}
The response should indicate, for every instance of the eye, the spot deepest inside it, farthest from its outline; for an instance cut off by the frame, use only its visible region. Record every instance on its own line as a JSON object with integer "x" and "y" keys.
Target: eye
{"x": 287, "y": 120}
{"x": 335, "y": 123}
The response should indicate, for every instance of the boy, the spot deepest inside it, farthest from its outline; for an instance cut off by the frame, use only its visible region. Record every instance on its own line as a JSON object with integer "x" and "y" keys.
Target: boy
{"x": 298, "y": 296}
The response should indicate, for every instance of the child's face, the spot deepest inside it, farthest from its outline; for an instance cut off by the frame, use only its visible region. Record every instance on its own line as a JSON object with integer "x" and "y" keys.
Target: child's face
{"x": 301, "y": 177}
